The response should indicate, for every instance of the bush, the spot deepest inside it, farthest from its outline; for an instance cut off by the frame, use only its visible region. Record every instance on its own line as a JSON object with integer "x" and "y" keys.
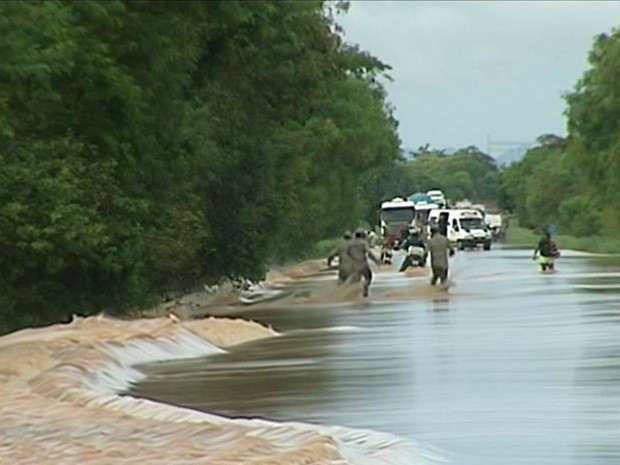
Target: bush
{"x": 579, "y": 216}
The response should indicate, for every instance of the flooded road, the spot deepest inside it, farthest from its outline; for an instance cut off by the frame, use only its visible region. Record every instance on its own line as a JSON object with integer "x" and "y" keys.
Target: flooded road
{"x": 509, "y": 367}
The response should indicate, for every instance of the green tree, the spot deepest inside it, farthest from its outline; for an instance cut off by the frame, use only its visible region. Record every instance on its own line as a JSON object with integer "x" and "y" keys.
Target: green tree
{"x": 148, "y": 147}
{"x": 594, "y": 125}
{"x": 573, "y": 181}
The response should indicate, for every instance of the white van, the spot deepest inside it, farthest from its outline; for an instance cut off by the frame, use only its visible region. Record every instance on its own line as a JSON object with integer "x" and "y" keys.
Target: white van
{"x": 464, "y": 227}
{"x": 437, "y": 196}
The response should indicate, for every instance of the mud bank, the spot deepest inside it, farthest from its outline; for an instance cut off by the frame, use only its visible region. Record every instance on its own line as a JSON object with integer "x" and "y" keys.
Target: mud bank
{"x": 60, "y": 403}
{"x": 280, "y": 289}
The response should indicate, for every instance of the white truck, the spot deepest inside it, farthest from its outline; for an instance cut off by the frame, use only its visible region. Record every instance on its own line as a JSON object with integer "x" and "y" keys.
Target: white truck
{"x": 463, "y": 204}
{"x": 495, "y": 222}
{"x": 464, "y": 227}
{"x": 437, "y": 196}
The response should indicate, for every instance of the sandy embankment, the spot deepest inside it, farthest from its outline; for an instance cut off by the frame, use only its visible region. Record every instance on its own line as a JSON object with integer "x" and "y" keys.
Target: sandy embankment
{"x": 59, "y": 402}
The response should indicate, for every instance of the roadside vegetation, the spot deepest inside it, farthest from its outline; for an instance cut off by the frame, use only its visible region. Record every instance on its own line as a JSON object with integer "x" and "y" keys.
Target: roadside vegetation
{"x": 468, "y": 173}
{"x": 520, "y": 236}
{"x": 574, "y": 182}
{"x": 148, "y": 147}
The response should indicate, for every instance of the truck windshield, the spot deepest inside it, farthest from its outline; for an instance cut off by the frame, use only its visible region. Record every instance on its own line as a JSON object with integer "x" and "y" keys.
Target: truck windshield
{"x": 472, "y": 223}
{"x": 398, "y": 215}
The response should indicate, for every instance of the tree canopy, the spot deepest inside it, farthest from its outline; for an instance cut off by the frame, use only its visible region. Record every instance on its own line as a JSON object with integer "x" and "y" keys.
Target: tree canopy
{"x": 573, "y": 181}
{"x": 151, "y": 146}
{"x": 468, "y": 173}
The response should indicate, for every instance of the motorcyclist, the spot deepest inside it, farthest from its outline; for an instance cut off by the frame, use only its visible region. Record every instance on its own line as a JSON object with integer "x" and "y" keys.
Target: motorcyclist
{"x": 416, "y": 251}
{"x": 386, "y": 253}
{"x": 402, "y": 237}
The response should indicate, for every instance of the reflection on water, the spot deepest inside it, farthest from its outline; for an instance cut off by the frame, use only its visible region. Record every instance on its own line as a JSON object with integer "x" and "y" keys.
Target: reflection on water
{"x": 511, "y": 367}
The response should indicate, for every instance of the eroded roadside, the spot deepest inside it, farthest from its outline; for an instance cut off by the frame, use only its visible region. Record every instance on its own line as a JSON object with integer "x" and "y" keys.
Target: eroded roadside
{"x": 60, "y": 399}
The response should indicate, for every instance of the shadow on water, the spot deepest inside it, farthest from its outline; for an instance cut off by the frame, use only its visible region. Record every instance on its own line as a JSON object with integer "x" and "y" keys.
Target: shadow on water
{"x": 508, "y": 366}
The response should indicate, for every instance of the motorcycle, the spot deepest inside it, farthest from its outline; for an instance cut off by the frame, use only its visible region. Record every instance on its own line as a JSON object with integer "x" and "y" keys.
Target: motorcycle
{"x": 417, "y": 255}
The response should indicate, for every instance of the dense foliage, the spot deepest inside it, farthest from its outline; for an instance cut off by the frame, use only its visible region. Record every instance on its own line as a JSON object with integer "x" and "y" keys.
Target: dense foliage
{"x": 574, "y": 182}
{"x": 149, "y": 146}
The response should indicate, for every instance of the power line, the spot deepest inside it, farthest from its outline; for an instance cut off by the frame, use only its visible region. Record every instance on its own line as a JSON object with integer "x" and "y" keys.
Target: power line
{"x": 491, "y": 144}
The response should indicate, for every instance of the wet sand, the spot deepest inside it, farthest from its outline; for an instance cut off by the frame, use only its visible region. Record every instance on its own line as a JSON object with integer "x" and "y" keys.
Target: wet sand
{"x": 60, "y": 391}
{"x": 59, "y": 403}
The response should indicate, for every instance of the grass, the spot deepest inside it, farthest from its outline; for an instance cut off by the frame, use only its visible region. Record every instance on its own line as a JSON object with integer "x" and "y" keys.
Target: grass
{"x": 516, "y": 235}
{"x": 324, "y": 247}
{"x": 320, "y": 250}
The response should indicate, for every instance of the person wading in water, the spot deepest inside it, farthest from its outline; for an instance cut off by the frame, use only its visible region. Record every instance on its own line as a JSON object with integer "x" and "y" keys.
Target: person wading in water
{"x": 546, "y": 251}
{"x": 344, "y": 261}
{"x": 359, "y": 253}
{"x": 439, "y": 247}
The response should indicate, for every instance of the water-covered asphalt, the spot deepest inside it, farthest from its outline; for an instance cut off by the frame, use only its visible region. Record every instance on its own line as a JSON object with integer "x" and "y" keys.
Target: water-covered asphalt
{"x": 509, "y": 367}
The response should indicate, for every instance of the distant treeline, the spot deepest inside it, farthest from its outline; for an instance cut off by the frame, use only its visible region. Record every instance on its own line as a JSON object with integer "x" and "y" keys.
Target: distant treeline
{"x": 466, "y": 174}
{"x": 146, "y": 147}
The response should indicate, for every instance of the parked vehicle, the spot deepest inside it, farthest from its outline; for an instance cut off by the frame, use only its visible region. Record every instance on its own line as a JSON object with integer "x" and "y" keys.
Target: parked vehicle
{"x": 419, "y": 197}
{"x": 494, "y": 223}
{"x": 463, "y": 204}
{"x": 464, "y": 227}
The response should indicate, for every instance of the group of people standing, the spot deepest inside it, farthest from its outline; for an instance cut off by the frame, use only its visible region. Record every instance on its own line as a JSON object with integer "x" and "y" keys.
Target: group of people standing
{"x": 354, "y": 252}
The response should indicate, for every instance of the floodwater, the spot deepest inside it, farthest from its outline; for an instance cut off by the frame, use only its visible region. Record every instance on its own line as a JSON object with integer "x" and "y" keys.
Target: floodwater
{"x": 508, "y": 367}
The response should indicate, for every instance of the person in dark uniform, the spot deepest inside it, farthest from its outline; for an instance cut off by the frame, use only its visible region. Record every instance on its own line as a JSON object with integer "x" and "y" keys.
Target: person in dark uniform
{"x": 443, "y": 226}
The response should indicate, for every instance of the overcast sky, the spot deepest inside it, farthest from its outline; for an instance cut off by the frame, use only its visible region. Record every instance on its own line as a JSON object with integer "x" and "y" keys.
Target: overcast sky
{"x": 466, "y": 71}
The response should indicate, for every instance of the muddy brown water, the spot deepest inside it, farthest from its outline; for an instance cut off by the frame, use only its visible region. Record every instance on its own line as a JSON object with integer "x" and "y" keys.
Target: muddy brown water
{"x": 508, "y": 367}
